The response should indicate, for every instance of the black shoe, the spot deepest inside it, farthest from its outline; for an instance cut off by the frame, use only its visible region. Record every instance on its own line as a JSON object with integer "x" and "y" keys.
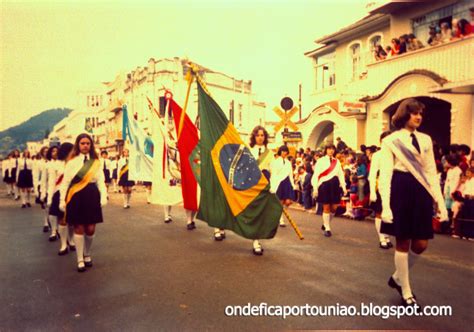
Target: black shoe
{"x": 81, "y": 268}
{"x": 53, "y": 238}
{"x": 323, "y": 228}
{"x": 384, "y": 245}
{"x": 28, "y": 204}
{"x": 191, "y": 226}
{"x": 45, "y": 229}
{"x": 72, "y": 248}
{"x": 17, "y": 198}
{"x": 218, "y": 236}
{"x": 390, "y": 244}
{"x": 88, "y": 263}
{"x": 393, "y": 284}
{"x": 327, "y": 233}
{"x": 23, "y": 206}
{"x": 410, "y": 302}
{"x": 63, "y": 252}
{"x": 223, "y": 235}
{"x": 168, "y": 220}
{"x": 258, "y": 252}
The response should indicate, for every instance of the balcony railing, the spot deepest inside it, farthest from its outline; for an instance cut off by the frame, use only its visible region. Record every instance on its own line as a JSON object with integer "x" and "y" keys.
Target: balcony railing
{"x": 451, "y": 61}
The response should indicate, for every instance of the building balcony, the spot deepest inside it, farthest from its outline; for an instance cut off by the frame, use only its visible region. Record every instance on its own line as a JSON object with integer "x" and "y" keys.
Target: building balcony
{"x": 448, "y": 63}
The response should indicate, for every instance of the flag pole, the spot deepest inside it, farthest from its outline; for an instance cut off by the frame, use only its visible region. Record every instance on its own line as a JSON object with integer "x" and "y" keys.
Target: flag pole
{"x": 189, "y": 78}
{"x": 293, "y": 224}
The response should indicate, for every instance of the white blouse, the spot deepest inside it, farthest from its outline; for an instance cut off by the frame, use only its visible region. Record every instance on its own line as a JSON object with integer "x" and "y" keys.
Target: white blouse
{"x": 39, "y": 168}
{"x": 453, "y": 177}
{"x": 107, "y": 163}
{"x": 54, "y": 169}
{"x": 374, "y": 169}
{"x": 72, "y": 167}
{"x": 280, "y": 169}
{"x": 122, "y": 162}
{"x": 391, "y": 163}
{"x": 257, "y": 151}
{"x": 322, "y": 165}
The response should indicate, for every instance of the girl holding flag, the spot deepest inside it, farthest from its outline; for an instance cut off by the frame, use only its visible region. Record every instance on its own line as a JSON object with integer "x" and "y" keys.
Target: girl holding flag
{"x": 329, "y": 184}
{"x": 263, "y": 155}
{"x": 82, "y": 196}
{"x": 408, "y": 186}
{"x": 126, "y": 185}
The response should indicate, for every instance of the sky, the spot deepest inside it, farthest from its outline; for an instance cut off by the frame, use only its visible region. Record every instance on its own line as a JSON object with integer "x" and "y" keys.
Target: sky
{"x": 52, "y": 49}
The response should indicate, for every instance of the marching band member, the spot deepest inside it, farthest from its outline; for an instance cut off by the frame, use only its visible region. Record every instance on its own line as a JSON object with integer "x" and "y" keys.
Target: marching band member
{"x": 126, "y": 185}
{"x": 329, "y": 184}
{"x": 375, "y": 199}
{"x": 25, "y": 178}
{"x": 408, "y": 186}
{"x": 281, "y": 179}
{"x": 82, "y": 196}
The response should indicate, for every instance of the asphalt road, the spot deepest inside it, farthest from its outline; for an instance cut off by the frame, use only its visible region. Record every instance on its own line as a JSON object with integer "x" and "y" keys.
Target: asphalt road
{"x": 148, "y": 275}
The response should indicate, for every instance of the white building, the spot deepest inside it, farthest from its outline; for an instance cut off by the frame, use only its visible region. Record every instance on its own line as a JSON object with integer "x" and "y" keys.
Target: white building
{"x": 234, "y": 96}
{"x": 354, "y": 95}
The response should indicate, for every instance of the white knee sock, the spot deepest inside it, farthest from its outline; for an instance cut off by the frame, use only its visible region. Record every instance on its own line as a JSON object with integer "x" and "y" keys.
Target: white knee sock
{"x": 402, "y": 273}
{"x": 46, "y": 220}
{"x": 327, "y": 221}
{"x": 148, "y": 195}
{"x": 88, "y": 244}
{"x": 167, "y": 210}
{"x": 129, "y": 195}
{"x": 256, "y": 244}
{"x": 70, "y": 237}
{"x": 16, "y": 191}
{"x": 124, "y": 199}
{"x": 413, "y": 258}
{"x": 28, "y": 195}
{"x": 282, "y": 219}
{"x": 54, "y": 225}
{"x": 79, "y": 240}
{"x": 23, "y": 197}
{"x": 378, "y": 224}
{"x": 62, "y": 230}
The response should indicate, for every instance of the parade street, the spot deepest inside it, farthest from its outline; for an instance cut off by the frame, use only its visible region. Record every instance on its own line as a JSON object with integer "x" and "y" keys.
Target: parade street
{"x": 148, "y": 275}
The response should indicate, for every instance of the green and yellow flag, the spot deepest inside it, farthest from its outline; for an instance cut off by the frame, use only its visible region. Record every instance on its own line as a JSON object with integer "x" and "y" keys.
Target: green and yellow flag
{"x": 234, "y": 193}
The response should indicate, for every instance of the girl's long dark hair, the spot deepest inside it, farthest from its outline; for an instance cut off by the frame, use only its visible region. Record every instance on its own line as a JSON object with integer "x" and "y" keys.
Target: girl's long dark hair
{"x": 255, "y": 131}
{"x": 77, "y": 151}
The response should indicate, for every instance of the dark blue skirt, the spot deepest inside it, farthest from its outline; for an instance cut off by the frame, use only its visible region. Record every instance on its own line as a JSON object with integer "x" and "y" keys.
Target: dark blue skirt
{"x": 124, "y": 182}
{"x": 54, "y": 208}
{"x": 84, "y": 207}
{"x": 107, "y": 176}
{"x": 114, "y": 174}
{"x": 25, "y": 179}
{"x": 330, "y": 192}
{"x": 412, "y": 209}
{"x": 285, "y": 190}
{"x": 377, "y": 205}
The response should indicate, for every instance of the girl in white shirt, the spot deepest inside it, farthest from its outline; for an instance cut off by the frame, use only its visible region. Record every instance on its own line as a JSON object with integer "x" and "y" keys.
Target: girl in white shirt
{"x": 124, "y": 182}
{"x": 281, "y": 179}
{"x": 39, "y": 168}
{"x": 82, "y": 196}
{"x": 453, "y": 179}
{"x": 375, "y": 199}
{"x": 328, "y": 185}
{"x": 47, "y": 177}
{"x": 25, "y": 178}
{"x": 55, "y": 174}
{"x": 7, "y": 166}
{"x": 408, "y": 186}
{"x": 106, "y": 168}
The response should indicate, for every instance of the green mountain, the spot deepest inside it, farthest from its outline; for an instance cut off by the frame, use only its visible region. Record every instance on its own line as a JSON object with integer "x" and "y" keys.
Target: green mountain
{"x": 34, "y": 129}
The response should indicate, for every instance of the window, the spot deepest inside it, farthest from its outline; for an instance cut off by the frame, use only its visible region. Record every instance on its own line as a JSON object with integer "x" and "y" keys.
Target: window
{"x": 421, "y": 25}
{"x": 325, "y": 71}
{"x": 354, "y": 52}
{"x": 372, "y": 42}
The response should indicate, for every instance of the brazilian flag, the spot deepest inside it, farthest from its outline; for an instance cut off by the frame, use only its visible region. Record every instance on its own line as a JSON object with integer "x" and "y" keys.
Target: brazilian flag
{"x": 234, "y": 193}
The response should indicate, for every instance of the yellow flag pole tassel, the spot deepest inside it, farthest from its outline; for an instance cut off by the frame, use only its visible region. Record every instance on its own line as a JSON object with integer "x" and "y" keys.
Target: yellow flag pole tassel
{"x": 293, "y": 224}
